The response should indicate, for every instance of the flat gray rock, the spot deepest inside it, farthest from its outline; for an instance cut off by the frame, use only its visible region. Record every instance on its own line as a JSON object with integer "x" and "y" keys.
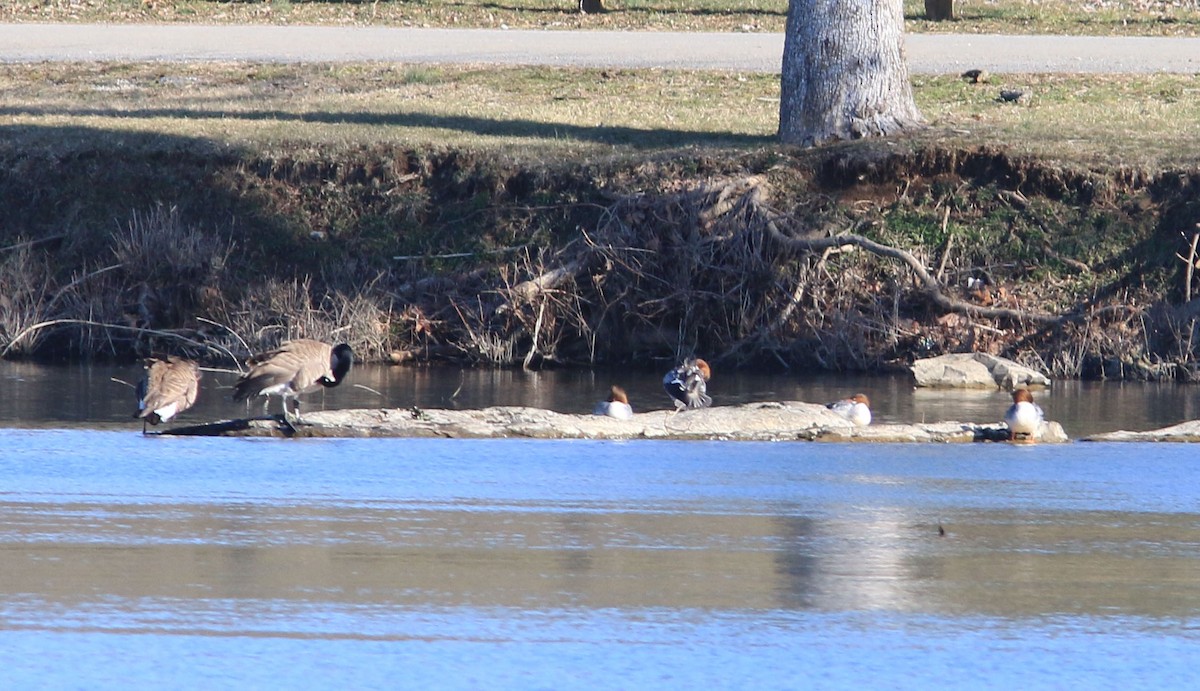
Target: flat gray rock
{"x": 1183, "y": 432}
{"x": 975, "y": 371}
{"x": 771, "y": 421}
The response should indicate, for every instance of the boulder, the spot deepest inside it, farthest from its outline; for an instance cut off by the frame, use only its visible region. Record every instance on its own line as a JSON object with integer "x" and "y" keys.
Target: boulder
{"x": 1183, "y": 432}
{"x": 975, "y": 370}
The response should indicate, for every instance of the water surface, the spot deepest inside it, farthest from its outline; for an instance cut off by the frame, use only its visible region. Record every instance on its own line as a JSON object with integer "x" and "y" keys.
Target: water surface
{"x": 144, "y": 562}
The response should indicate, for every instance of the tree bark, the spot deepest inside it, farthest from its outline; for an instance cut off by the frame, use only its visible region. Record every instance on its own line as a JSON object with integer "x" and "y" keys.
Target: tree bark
{"x": 844, "y": 74}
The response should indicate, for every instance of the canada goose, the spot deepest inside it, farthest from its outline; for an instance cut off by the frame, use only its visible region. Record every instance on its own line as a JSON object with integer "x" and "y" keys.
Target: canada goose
{"x": 1024, "y": 417}
{"x": 616, "y": 406}
{"x": 856, "y": 409}
{"x": 294, "y": 368}
{"x": 168, "y": 387}
{"x": 687, "y": 384}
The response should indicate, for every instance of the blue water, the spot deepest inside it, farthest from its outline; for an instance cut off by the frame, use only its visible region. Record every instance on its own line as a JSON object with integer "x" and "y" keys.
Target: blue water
{"x": 131, "y": 562}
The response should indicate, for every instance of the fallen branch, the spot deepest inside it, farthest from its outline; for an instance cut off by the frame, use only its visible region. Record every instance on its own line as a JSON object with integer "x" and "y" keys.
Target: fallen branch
{"x": 528, "y": 290}
{"x": 928, "y": 282}
{"x": 118, "y": 327}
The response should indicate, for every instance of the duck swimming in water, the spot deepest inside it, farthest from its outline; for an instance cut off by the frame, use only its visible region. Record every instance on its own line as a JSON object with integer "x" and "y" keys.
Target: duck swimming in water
{"x": 856, "y": 409}
{"x": 616, "y": 406}
{"x": 687, "y": 384}
{"x": 1024, "y": 417}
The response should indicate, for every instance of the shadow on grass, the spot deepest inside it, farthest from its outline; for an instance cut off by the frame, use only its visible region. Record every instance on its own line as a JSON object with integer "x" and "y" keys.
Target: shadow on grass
{"x": 636, "y": 10}
{"x": 556, "y": 7}
{"x": 601, "y": 134}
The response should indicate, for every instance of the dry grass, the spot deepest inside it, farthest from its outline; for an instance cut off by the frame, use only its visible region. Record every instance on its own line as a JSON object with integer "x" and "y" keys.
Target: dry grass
{"x": 273, "y": 311}
{"x": 1148, "y": 121}
{"x": 1100, "y": 17}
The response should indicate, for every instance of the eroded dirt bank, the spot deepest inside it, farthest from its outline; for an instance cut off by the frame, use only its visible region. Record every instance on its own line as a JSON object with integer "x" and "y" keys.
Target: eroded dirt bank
{"x": 858, "y": 257}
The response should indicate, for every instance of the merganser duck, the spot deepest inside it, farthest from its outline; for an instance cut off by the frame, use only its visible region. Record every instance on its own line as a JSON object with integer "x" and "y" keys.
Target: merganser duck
{"x": 856, "y": 409}
{"x": 294, "y": 368}
{"x": 616, "y": 406}
{"x": 168, "y": 387}
{"x": 1024, "y": 417}
{"x": 686, "y": 384}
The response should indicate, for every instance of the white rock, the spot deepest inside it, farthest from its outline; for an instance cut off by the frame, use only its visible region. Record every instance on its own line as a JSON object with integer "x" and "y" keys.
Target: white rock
{"x": 975, "y": 370}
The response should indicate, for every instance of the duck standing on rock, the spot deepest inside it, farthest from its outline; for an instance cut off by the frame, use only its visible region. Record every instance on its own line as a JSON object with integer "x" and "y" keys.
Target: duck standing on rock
{"x": 687, "y": 384}
{"x": 856, "y": 409}
{"x": 1024, "y": 417}
{"x": 294, "y": 368}
{"x": 616, "y": 406}
{"x": 168, "y": 387}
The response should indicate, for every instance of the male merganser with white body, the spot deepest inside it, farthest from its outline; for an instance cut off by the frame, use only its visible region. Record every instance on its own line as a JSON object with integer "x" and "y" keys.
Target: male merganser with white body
{"x": 1024, "y": 417}
{"x": 856, "y": 409}
{"x": 616, "y": 406}
{"x": 687, "y": 384}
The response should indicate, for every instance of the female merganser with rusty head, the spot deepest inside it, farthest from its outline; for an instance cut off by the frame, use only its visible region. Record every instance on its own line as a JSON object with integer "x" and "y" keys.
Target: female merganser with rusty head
{"x": 616, "y": 406}
{"x": 856, "y": 409}
{"x": 687, "y": 384}
{"x": 1024, "y": 417}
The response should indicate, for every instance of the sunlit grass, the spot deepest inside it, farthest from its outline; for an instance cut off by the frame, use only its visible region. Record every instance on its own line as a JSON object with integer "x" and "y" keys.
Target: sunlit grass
{"x": 1148, "y": 120}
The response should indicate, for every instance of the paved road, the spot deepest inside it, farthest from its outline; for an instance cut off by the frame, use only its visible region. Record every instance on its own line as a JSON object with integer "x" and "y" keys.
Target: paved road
{"x": 928, "y": 54}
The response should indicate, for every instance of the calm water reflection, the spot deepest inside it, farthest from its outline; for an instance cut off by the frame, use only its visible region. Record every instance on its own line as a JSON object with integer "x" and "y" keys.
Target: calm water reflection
{"x": 134, "y": 562}
{"x": 93, "y": 396}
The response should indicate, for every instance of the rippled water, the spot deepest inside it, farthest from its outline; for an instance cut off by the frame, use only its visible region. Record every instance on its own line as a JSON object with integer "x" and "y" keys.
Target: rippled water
{"x": 142, "y": 562}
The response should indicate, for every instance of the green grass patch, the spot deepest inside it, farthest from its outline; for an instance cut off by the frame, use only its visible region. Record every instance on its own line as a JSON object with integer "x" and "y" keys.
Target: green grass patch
{"x": 1145, "y": 121}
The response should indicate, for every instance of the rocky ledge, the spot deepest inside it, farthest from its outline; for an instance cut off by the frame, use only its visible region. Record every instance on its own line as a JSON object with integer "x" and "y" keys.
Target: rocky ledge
{"x": 789, "y": 421}
{"x": 1183, "y": 432}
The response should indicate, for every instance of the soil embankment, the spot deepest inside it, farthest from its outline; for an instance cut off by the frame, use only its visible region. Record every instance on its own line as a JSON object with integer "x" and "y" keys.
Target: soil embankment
{"x": 855, "y": 257}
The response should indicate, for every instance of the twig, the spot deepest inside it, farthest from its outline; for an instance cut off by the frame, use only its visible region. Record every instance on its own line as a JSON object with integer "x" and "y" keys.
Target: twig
{"x": 62, "y": 291}
{"x": 458, "y": 255}
{"x": 86, "y": 322}
{"x": 235, "y": 335}
{"x": 946, "y": 250}
{"x": 922, "y": 274}
{"x": 30, "y": 243}
{"x": 537, "y": 330}
{"x": 1191, "y": 266}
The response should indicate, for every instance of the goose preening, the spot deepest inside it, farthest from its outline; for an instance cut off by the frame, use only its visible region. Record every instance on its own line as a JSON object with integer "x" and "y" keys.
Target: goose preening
{"x": 856, "y": 409}
{"x": 168, "y": 387}
{"x": 294, "y": 368}
{"x": 687, "y": 384}
{"x": 1024, "y": 417}
{"x": 616, "y": 406}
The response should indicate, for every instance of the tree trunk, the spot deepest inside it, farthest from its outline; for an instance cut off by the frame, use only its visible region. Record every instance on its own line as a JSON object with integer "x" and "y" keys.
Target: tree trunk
{"x": 939, "y": 10}
{"x": 844, "y": 75}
